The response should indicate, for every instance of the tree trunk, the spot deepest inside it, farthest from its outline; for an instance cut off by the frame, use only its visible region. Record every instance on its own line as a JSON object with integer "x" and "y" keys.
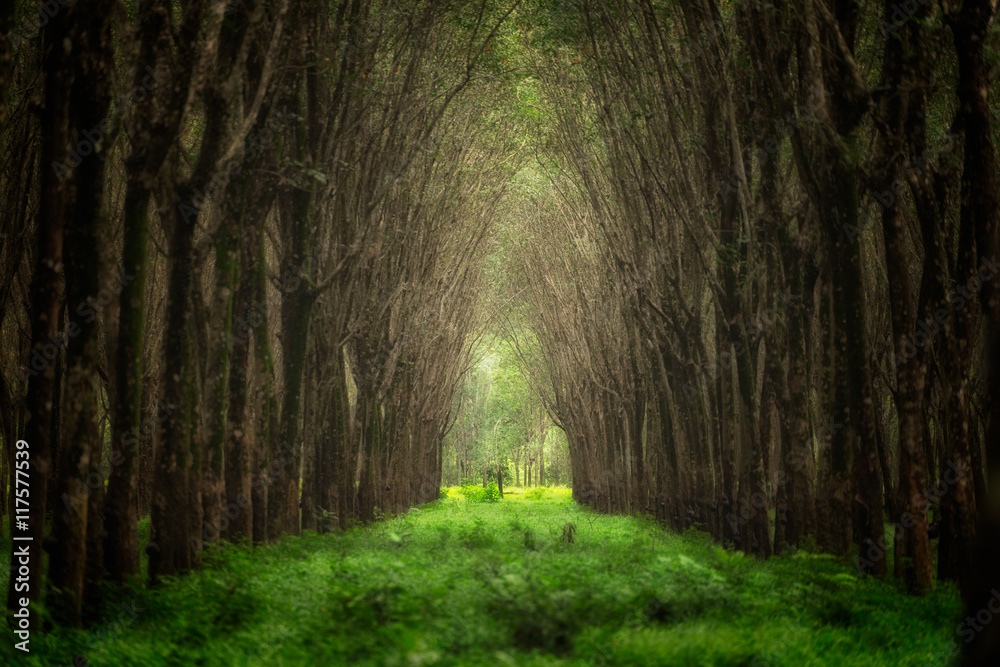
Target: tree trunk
{"x": 121, "y": 551}
{"x": 175, "y": 544}
{"x": 54, "y": 207}
{"x": 979, "y": 216}
{"x": 266, "y": 427}
{"x": 89, "y": 70}
{"x": 217, "y": 382}
{"x": 370, "y": 436}
{"x": 238, "y": 522}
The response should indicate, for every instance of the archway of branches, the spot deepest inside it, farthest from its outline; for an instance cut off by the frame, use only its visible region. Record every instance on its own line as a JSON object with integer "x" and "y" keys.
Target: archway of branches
{"x": 281, "y": 266}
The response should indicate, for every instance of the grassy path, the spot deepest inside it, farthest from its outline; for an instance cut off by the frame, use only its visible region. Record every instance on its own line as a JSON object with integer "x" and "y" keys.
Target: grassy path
{"x": 463, "y": 583}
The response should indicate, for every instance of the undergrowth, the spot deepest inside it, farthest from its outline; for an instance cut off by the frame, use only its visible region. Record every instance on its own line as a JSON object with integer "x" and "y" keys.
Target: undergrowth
{"x": 460, "y": 582}
{"x": 478, "y": 494}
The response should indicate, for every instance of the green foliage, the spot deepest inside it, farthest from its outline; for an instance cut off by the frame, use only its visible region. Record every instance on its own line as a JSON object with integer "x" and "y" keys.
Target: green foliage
{"x": 537, "y": 616}
{"x": 469, "y": 583}
{"x": 534, "y": 493}
{"x": 492, "y": 493}
{"x": 529, "y": 540}
{"x": 478, "y": 494}
{"x": 477, "y": 536}
{"x": 500, "y": 419}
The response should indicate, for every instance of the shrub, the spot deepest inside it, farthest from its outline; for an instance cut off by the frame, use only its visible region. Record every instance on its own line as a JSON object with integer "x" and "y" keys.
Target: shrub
{"x": 473, "y": 492}
{"x": 491, "y": 493}
{"x": 478, "y": 494}
{"x": 535, "y": 493}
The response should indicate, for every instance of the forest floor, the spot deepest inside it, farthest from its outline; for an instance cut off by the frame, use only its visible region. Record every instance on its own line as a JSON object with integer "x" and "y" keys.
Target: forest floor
{"x": 457, "y": 582}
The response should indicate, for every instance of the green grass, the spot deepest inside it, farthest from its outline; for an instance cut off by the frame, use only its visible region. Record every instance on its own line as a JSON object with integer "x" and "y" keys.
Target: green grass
{"x": 458, "y": 582}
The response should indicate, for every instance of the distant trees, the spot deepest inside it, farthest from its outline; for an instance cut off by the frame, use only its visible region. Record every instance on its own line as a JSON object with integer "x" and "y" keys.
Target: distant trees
{"x": 501, "y": 429}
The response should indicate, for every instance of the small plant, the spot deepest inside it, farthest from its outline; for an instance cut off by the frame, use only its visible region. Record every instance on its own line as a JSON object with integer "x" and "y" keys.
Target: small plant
{"x": 539, "y": 617}
{"x": 529, "y": 541}
{"x": 477, "y": 536}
